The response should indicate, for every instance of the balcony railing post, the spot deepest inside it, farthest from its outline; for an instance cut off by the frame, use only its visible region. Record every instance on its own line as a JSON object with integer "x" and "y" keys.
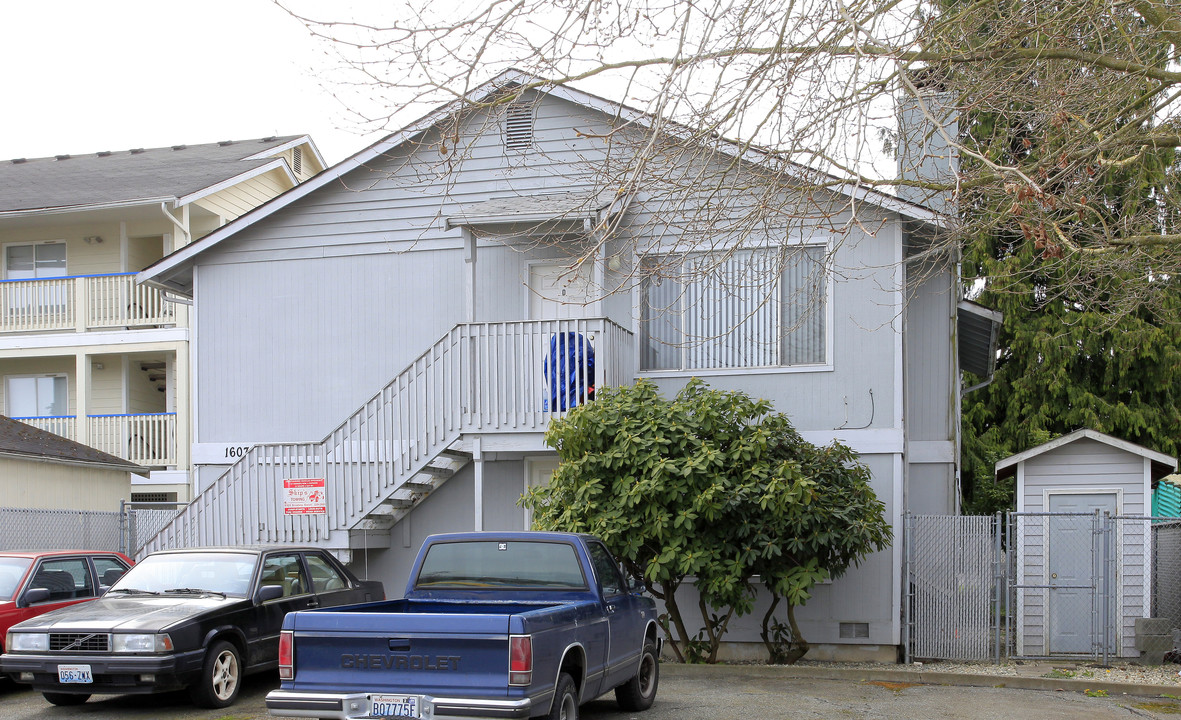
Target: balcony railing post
{"x": 81, "y": 304}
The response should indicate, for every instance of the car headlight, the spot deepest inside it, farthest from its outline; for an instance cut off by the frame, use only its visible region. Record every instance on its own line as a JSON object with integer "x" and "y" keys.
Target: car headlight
{"x": 27, "y": 642}
{"x": 141, "y": 642}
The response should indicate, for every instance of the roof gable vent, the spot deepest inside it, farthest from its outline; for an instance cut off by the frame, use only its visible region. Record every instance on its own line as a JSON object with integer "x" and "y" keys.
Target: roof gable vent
{"x": 518, "y": 127}
{"x": 297, "y": 161}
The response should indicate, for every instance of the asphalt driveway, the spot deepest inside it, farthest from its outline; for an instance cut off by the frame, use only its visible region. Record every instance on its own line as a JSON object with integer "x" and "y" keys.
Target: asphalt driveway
{"x": 709, "y": 693}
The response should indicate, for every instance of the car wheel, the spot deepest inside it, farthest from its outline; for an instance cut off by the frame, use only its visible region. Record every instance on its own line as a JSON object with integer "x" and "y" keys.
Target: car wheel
{"x": 66, "y": 698}
{"x": 639, "y": 692}
{"x": 221, "y": 677}
{"x": 565, "y": 705}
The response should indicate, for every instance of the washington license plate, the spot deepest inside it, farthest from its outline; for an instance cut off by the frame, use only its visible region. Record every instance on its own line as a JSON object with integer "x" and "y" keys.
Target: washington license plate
{"x": 394, "y": 705}
{"x": 74, "y": 674}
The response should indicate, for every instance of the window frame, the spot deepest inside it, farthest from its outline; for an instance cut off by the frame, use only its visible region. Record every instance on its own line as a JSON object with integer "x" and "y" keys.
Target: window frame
{"x": 8, "y": 394}
{"x": 816, "y": 240}
{"x": 35, "y": 244}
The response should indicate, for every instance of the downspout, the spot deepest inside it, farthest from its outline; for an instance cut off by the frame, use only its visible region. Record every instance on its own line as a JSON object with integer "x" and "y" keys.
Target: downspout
{"x": 184, "y": 230}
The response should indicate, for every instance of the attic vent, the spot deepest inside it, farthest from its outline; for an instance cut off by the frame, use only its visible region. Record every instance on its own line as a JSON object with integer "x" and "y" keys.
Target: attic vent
{"x": 104, "y": 153}
{"x": 179, "y": 147}
{"x": 62, "y": 157}
{"x": 136, "y": 151}
{"x": 19, "y": 161}
{"x": 297, "y": 160}
{"x": 225, "y": 143}
{"x": 850, "y": 630}
{"x": 518, "y": 127}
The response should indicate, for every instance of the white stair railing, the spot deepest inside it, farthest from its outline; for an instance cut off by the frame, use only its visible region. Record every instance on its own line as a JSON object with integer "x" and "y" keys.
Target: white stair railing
{"x": 479, "y": 377}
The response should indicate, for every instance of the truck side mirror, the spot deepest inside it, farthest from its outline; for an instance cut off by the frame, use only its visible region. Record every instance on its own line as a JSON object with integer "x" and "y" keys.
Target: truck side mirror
{"x": 635, "y": 584}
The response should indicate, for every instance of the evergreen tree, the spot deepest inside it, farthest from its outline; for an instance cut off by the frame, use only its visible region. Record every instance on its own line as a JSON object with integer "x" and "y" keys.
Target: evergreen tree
{"x": 1085, "y": 344}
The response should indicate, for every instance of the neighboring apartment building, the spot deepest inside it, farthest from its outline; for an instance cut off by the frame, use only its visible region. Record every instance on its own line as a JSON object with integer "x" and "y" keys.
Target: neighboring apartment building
{"x": 395, "y": 322}
{"x": 85, "y": 352}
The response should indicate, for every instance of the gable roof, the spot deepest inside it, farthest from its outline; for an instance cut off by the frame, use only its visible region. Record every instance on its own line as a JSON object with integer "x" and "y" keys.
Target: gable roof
{"x": 25, "y": 442}
{"x": 1161, "y": 464}
{"x": 173, "y": 272}
{"x": 72, "y": 182}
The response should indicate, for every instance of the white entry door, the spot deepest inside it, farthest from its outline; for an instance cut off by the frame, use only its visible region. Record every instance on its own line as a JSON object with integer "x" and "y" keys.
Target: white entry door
{"x": 558, "y": 292}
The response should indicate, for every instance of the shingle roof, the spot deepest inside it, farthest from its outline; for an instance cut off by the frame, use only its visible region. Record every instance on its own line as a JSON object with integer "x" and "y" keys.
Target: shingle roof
{"x": 21, "y": 440}
{"x": 112, "y": 177}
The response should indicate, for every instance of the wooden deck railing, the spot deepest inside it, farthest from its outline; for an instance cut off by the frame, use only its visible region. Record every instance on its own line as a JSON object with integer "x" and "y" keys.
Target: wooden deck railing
{"x": 81, "y": 303}
{"x": 147, "y": 439}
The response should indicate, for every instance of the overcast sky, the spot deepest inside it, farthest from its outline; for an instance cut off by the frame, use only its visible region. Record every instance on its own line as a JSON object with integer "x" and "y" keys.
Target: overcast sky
{"x": 82, "y": 76}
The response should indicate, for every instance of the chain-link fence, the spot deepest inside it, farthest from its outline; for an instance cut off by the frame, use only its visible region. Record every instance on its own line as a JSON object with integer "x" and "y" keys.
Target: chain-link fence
{"x": 1051, "y": 585}
{"x": 38, "y": 529}
{"x": 126, "y": 530}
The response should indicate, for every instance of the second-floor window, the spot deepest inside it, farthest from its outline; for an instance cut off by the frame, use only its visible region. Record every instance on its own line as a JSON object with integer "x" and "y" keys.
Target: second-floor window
{"x": 748, "y": 308}
{"x": 28, "y": 262}
{"x": 36, "y": 396}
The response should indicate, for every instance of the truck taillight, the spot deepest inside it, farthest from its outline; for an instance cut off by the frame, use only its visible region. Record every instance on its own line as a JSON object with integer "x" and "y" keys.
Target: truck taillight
{"x": 520, "y": 659}
{"x": 286, "y": 651}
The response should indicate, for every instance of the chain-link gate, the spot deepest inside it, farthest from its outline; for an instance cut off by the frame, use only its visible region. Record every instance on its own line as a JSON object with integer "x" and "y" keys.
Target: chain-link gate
{"x": 1041, "y": 585}
{"x": 954, "y": 574}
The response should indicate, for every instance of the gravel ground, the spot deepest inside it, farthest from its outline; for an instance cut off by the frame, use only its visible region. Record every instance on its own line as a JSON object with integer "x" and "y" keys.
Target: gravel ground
{"x": 1167, "y": 674}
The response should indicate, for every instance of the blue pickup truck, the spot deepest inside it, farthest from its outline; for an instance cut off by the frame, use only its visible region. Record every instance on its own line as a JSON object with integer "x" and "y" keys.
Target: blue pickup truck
{"x": 493, "y": 625}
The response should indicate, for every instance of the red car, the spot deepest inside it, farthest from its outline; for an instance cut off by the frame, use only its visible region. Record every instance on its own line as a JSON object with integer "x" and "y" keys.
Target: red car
{"x": 32, "y": 583}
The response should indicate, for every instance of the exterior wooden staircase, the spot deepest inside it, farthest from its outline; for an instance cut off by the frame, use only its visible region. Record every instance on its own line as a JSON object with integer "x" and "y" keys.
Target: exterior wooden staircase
{"x": 402, "y": 444}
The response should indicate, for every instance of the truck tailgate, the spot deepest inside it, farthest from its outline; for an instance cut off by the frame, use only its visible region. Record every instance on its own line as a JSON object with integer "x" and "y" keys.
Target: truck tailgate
{"x": 432, "y": 653}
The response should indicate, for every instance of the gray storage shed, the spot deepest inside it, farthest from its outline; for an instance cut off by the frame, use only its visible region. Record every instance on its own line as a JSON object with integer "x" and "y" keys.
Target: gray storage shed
{"x": 1080, "y": 536}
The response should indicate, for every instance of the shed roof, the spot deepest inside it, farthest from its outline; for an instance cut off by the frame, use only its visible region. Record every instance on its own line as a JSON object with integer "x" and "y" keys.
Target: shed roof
{"x": 1162, "y": 464}
{"x": 107, "y": 178}
{"x": 25, "y": 442}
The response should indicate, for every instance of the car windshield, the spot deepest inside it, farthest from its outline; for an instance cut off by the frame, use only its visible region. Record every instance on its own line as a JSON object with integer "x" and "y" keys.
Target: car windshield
{"x": 12, "y": 569}
{"x": 216, "y": 572}
{"x": 500, "y": 564}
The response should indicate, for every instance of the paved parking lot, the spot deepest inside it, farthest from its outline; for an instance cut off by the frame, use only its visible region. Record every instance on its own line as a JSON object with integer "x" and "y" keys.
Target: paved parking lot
{"x": 689, "y": 693}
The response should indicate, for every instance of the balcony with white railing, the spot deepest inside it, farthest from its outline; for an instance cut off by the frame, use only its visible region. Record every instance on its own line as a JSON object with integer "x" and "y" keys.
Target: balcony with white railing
{"x": 479, "y": 378}
{"x": 80, "y": 304}
{"x": 147, "y": 439}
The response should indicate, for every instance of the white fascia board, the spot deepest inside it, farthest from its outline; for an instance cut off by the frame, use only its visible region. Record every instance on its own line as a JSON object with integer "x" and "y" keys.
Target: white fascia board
{"x": 63, "y": 209}
{"x": 301, "y": 140}
{"x": 52, "y": 460}
{"x": 275, "y": 164}
{"x": 1093, "y": 435}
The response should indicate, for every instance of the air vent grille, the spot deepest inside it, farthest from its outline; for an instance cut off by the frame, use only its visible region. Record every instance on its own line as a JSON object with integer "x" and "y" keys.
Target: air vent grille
{"x": 853, "y": 630}
{"x": 518, "y": 127}
{"x": 297, "y": 160}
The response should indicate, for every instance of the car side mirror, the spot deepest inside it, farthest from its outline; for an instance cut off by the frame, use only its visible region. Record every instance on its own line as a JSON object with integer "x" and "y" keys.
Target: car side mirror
{"x": 635, "y": 584}
{"x": 268, "y": 592}
{"x": 33, "y": 596}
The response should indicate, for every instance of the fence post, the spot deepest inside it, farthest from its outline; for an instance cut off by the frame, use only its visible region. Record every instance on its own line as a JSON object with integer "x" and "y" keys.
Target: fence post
{"x": 123, "y": 544}
{"x": 998, "y": 581}
{"x": 907, "y": 531}
{"x": 1106, "y": 614}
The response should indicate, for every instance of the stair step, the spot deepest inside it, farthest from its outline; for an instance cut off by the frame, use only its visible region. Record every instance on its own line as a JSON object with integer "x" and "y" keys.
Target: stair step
{"x": 435, "y": 471}
{"x": 456, "y": 454}
{"x": 396, "y": 503}
{"x": 417, "y": 486}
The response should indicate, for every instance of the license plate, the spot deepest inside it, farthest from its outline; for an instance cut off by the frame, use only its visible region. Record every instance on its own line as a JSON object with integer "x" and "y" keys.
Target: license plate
{"x": 74, "y": 674}
{"x": 394, "y": 705}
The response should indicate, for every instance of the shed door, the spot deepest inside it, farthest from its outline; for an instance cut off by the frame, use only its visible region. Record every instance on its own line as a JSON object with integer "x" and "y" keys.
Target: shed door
{"x": 1075, "y": 572}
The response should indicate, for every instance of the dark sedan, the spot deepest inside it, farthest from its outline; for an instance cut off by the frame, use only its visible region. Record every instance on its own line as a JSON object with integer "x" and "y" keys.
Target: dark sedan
{"x": 200, "y": 618}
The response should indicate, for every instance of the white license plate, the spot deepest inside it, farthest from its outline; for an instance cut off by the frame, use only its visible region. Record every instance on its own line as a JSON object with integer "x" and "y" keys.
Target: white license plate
{"x": 74, "y": 674}
{"x": 394, "y": 705}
